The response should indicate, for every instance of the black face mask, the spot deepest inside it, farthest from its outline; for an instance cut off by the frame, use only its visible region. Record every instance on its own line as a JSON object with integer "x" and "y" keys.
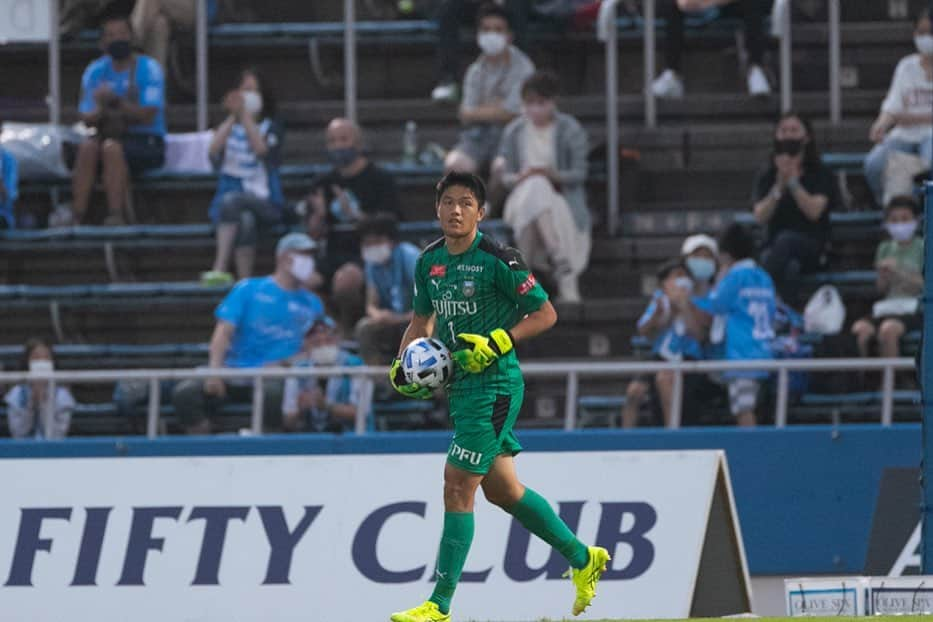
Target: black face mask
{"x": 791, "y": 147}
{"x": 119, "y": 49}
{"x": 342, "y": 157}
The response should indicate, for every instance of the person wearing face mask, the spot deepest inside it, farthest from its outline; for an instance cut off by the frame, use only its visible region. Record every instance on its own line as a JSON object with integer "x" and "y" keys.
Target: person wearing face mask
{"x": 246, "y": 150}
{"x": 261, "y": 322}
{"x": 542, "y": 161}
{"x": 354, "y": 188}
{"x": 491, "y": 92}
{"x": 793, "y": 196}
{"x": 324, "y": 404}
{"x": 666, "y": 323}
{"x": 899, "y": 262}
{"x": 123, "y": 98}
{"x": 390, "y": 276}
{"x": 699, "y": 252}
{"x": 905, "y": 123}
{"x": 29, "y": 411}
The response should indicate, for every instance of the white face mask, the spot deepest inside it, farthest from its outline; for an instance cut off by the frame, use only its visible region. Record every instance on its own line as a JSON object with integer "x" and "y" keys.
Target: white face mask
{"x": 701, "y": 268}
{"x": 924, "y": 44}
{"x": 325, "y": 355}
{"x": 41, "y": 366}
{"x": 377, "y": 253}
{"x": 901, "y": 231}
{"x": 252, "y": 102}
{"x": 302, "y": 267}
{"x": 491, "y": 43}
{"x": 684, "y": 282}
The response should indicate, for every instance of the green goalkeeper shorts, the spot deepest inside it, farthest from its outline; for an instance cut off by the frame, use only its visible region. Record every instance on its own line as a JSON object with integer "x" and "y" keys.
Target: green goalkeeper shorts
{"x": 483, "y": 429}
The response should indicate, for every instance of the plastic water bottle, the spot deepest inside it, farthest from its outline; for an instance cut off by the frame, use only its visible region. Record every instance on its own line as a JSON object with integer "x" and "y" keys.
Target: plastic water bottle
{"x": 410, "y": 143}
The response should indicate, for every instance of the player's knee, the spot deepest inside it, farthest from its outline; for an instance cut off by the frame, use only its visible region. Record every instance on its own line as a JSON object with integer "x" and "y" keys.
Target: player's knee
{"x": 636, "y": 390}
{"x": 504, "y": 497}
{"x": 348, "y": 280}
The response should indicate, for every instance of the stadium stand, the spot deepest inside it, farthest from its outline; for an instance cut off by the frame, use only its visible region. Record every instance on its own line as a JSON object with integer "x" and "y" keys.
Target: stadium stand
{"x": 122, "y": 297}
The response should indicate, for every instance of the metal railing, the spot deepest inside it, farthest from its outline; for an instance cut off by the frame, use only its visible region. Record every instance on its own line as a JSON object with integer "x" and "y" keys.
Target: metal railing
{"x": 570, "y": 371}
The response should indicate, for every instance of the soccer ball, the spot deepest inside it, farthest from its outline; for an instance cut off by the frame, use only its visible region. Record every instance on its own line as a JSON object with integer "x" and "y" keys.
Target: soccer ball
{"x": 427, "y": 361}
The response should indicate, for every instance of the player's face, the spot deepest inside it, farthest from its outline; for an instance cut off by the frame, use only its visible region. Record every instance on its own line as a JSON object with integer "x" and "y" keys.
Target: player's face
{"x": 459, "y": 212}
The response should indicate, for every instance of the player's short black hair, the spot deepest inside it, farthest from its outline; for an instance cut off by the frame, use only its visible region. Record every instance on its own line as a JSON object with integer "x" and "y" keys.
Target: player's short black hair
{"x": 491, "y": 9}
{"x": 902, "y": 201}
{"x": 737, "y": 241}
{"x": 666, "y": 268}
{"x": 543, "y": 83}
{"x": 468, "y": 180}
{"x": 380, "y": 223}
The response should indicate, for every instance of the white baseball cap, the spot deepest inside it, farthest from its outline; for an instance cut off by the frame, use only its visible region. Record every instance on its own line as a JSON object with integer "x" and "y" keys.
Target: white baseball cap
{"x": 700, "y": 240}
{"x": 295, "y": 242}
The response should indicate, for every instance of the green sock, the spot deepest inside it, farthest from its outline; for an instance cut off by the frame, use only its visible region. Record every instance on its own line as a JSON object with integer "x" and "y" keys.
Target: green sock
{"x": 536, "y": 514}
{"x": 451, "y": 556}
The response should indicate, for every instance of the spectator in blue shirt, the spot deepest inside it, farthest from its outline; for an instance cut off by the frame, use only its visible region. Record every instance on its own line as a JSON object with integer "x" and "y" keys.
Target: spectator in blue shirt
{"x": 390, "y": 273}
{"x": 246, "y": 150}
{"x": 743, "y": 307}
{"x": 123, "y": 98}
{"x": 9, "y": 188}
{"x": 324, "y": 403}
{"x": 261, "y": 322}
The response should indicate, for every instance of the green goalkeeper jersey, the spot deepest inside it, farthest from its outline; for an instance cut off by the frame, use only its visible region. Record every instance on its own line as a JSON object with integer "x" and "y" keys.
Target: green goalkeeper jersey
{"x": 486, "y": 287}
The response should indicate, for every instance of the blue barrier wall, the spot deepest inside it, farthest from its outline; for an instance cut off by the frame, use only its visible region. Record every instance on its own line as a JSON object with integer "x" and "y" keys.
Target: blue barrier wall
{"x": 805, "y": 495}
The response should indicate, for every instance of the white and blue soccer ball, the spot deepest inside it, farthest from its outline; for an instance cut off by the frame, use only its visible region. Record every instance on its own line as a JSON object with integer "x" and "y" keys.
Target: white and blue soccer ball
{"x": 427, "y": 361}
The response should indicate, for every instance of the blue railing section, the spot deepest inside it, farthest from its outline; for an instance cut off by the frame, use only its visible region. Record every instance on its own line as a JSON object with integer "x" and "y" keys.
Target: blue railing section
{"x": 805, "y": 495}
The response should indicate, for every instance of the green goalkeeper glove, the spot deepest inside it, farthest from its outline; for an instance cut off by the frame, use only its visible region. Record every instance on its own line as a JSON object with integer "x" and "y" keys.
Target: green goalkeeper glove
{"x": 400, "y": 383}
{"x": 481, "y": 352}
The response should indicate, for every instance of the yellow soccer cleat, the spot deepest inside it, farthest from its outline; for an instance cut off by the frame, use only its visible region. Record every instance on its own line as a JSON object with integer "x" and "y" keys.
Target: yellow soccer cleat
{"x": 425, "y": 612}
{"x": 586, "y": 578}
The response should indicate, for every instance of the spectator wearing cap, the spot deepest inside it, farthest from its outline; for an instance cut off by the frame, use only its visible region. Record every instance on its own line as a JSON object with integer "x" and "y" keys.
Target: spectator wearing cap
{"x": 390, "y": 276}
{"x": 9, "y": 188}
{"x": 699, "y": 253}
{"x": 793, "y": 197}
{"x": 666, "y": 324}
{"x": 899, "y": 262}
{"x": 261, "y": 322}
{"x": 324, "y": 403}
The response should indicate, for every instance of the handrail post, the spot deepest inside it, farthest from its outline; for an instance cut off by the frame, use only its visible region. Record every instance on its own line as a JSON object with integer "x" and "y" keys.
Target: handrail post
{"x": 349, "y": 59}
{"x": 258, "y": 399}
{"x": 677, "y": 400}
{"x": 612, "y": 124}
{"x": 48, "y": 413}
{"x": 570, "y": 406}
{"x": 651, "y": 113}
{"x": 54, "y": 100}
{"x": 887, "y": 396}
{"x": 835, "y": 60}
{"x": 780, "y": 413}
{"x": 201, "y": 53}
{"x": 786, "y": 61}
{"x": 152, "y": 412}
{"x": 364, "y": 405}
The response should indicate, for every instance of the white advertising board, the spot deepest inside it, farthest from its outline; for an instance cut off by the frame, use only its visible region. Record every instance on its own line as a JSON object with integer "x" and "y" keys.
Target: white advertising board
{"x": 826, "y": 596}
{"x": 24, "y": 20}
{"x": 337, "y": 538}
{"x": 901, "y": 595}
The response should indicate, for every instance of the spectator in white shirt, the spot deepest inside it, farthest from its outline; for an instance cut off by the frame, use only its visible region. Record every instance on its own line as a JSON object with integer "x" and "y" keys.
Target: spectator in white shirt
{"x": 906, "y": 119}
{"x": 29, "y": 411}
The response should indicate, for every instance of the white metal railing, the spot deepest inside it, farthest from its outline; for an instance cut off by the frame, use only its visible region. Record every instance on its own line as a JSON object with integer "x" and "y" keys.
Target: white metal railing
{"x": 571, "y": 371}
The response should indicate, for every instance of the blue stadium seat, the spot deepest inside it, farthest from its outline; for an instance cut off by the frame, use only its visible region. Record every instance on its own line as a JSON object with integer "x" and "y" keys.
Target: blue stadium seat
{"x": 845, "y": 162}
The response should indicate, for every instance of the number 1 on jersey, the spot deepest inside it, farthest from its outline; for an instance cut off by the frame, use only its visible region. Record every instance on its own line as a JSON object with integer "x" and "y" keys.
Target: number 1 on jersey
{"x": 453, "y": 334}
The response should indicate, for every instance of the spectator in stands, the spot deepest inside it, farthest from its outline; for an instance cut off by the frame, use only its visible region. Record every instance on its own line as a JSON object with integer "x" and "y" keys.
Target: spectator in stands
{"x": 899, "y": 262}
{"x": 742, "y": 305}
{"x": 699, "y": 253}
{"x": 324, "y": 404}
{"x": 261, "y": 322}
{"x": 9, "y": 188}
{"x": 793, "y": 196}
{"x": 670, "y": 84}
{"x": 491, "y": 92}
{"x": 665, "y": 324}
{"x": 246, "y": 149}
{"x": 451, "y": 16}
{"x": 542, "y": 161}
{"x": 30, "y": 414}
{"x": 123, "y": 97}
{"x": 906, "y": 119}
{"x": 390, "y": 277}
{"x": 338, "y": 200}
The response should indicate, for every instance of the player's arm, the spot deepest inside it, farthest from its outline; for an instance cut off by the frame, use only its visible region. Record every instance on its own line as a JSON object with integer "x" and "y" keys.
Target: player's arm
{"x": 419, "y": 326}
{"x": 534, "y": 323}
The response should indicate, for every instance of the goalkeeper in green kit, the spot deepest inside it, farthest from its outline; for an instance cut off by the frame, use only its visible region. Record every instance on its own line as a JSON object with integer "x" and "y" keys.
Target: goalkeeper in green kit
{"x": 484, "y": 300}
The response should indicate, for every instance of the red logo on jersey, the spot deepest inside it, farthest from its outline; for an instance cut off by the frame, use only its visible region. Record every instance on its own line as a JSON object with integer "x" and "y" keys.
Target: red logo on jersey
{"x": 527, "y": 284}
{"x": 437, "y": 270}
